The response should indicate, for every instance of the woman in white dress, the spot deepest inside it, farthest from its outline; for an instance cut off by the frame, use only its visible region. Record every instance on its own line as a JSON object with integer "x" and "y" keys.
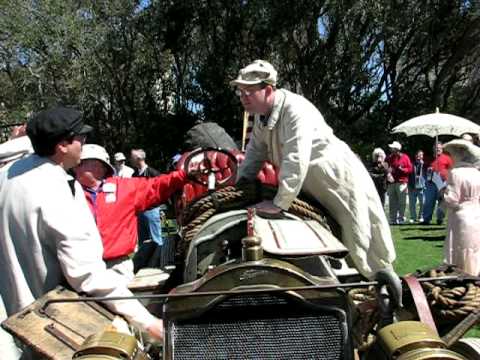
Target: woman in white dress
{"x": 462, "y": 200}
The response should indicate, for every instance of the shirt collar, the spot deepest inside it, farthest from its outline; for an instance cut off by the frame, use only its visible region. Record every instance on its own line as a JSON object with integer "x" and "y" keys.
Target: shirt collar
{"x": 142, "y": 170}
{"x": 91, "y": 190}
{"x": 276, "y": 109}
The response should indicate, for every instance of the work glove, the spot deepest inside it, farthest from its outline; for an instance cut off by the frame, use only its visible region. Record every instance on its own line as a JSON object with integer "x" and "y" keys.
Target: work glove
{"x": 389, "y": 294}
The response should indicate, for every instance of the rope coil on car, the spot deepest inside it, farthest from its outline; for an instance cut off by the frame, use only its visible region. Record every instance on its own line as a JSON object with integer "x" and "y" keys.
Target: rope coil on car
{"x": 451, "y": 303}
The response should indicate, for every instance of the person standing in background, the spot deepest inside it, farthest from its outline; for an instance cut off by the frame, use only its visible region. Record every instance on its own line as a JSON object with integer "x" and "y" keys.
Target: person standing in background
{"x": 438, "y": 167}
{"x": 149, "y": 222}
{"x": 462, "y": 201}
{"x": 378, "y": 170}
{"x": 416, "y": 187}
{"x": 400, "y": 168}
{"x": 121, "y": 169}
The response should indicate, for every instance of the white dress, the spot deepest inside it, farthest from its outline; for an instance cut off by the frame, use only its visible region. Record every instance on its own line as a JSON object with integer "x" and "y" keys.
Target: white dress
{"x": 462, "y": 199}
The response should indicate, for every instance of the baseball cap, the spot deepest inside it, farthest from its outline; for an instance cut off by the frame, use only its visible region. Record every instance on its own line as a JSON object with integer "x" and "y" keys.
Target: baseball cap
{"x": 56, "y": 124}
{"x": 259, "y": 71}
{"x": 97, "y": 152}
{"x": 395, "y": 145}
{"x": 119, "y": 156}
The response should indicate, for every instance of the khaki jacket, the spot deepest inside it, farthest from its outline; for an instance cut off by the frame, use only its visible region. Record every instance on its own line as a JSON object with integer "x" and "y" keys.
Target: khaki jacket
{"x": 311, "y": 158}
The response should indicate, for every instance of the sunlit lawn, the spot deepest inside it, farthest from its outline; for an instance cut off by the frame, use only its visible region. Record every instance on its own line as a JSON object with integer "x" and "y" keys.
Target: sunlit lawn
{"x": 418, "y": 247}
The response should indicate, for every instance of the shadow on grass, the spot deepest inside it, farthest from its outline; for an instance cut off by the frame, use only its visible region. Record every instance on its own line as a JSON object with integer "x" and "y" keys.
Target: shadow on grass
{"x": 422, "y": 227}
{"x": 425, "y": 238}
{"x": 431, "y": 227}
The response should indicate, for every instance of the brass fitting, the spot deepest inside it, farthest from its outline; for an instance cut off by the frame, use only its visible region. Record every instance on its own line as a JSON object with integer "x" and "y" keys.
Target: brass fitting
{"x": 252, "y": 249}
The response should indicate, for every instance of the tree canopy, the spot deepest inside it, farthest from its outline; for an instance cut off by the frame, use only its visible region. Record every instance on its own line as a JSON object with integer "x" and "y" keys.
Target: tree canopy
{"x": 144, "y": 72}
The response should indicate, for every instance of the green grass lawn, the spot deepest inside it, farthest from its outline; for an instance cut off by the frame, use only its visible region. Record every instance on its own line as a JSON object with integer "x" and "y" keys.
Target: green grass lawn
{"x": 420, "y": 247}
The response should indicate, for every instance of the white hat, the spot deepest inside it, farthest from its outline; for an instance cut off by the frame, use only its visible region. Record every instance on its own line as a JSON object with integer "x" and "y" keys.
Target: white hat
{"x": 259, "y": 71}
{"x": 395, "y": 145}
{"x": 463, "y": 152}
{"x": 119, "y": 156}
{"x": 97, "y": 152}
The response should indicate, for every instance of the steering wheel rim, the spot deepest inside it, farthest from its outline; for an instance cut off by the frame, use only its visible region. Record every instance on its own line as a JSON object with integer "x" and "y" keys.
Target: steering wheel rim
{"x": 200, "y": 176}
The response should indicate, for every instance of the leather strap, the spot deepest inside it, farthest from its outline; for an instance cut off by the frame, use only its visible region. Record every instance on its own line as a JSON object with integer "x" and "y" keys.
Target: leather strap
{"x": 420, "y": 300}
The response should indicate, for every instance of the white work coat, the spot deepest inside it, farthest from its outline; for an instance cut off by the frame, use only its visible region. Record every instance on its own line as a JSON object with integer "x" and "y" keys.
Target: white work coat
{"x": 311, "y": 158}
{"x": 47, "y": 234}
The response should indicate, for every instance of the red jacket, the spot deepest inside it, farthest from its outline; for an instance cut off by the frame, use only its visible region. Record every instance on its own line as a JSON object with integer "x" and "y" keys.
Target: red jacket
{"x": 116, "y": 203}
{"x": 401, "y": 166}
{"x": 442, "y": 164}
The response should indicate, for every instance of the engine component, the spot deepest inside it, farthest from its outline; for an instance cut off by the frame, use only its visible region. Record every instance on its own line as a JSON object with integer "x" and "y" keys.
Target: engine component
{"x": 411, "y": 340}
{"x": 110, "y": 345}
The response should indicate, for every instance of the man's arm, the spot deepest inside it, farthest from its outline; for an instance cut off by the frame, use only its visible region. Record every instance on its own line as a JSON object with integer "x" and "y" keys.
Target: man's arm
{"x": 407, "y": 167}
{"x": 79, "y": 251}
{"x": 255, "y": 154}
{"x": 451, "y": 194}
{"x": 157, "y": 190}
{"x": 297, "y": 148}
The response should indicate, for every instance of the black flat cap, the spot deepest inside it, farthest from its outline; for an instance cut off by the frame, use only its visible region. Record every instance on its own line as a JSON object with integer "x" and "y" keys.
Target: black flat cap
{"x": 56, "y": 124}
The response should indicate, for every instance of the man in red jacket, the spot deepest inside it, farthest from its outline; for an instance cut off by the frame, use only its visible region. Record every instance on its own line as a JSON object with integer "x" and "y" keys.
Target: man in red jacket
{"x": 115, "y": 203}
{"x": 400, "y": 169}
{"x": 441, "y": 165}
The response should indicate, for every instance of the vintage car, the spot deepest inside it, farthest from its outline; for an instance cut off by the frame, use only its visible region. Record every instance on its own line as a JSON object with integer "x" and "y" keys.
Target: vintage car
{"x": 249, "y": 287}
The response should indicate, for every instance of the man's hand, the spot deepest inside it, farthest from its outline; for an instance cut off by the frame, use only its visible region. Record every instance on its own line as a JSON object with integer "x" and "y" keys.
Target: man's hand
{"x": 268, "y": 209}
{"x": 156, "y": 330}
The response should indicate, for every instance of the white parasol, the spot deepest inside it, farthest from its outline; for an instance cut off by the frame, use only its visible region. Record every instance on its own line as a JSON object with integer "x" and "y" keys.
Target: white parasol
{"x": 436, "y": 124}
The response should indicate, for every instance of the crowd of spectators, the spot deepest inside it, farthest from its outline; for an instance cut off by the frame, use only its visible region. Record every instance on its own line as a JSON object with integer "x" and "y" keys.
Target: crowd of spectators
{"x": 418, "y": 181}
{"x": 447, "y": 186}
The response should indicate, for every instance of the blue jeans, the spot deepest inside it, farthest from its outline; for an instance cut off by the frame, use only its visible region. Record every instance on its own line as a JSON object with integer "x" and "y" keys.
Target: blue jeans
{"x": 150, "y": 240}
{"x": 150, "y": 226}
{"x": 413, "y": 196}
{"x": 431, "y": 200}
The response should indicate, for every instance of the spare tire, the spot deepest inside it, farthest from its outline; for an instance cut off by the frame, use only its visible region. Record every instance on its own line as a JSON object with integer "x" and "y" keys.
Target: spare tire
{"x": 208, "y": 134}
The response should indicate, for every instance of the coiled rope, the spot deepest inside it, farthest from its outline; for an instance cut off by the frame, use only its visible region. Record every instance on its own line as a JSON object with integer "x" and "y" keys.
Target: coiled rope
{"x": 451, "y": 302}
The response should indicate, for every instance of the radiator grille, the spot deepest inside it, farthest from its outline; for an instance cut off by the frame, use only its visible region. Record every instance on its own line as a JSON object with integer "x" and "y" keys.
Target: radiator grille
{"x": 260, "y": 332}
{"x": 257, "y": 300}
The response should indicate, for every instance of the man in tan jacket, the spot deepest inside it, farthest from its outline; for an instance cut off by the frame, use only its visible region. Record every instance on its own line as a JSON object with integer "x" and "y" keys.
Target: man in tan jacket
{"x": 292, "y": 134}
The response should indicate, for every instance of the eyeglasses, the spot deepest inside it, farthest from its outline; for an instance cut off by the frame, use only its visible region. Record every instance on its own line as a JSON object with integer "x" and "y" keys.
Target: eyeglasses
{"x": 240, "y": 92}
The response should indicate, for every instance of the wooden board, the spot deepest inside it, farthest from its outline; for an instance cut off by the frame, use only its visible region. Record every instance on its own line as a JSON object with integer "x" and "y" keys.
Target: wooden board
{"x": 43, "y": 328}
